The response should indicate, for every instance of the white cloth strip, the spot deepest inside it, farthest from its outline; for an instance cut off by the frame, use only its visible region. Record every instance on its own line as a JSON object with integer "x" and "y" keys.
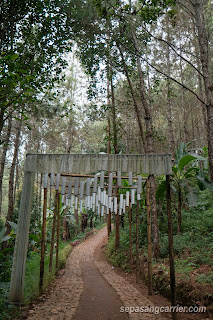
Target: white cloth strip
{"x": 57, "y": 181}
{"x": 139, "y": 188}
{"x": 95, "y": 183}
{"x": 138, "y": 196}
{"x": 130, "y": 178}
{"x": 45, "y": 181}
{"x": 81, "y": 206}
{"x": 62, "y": 198}
{"x": 102, "y": 196}
{"x": 124, "y": 206}
{"x": 116, "y": 205}
{"x": 132, "y": 196}
{"x": 110, "y": 184}
{"x": 90, "y": 202}
{"x": 127, "y": 199}
{"x": 119, "y": 179}
{"x": 106, "y": 201}
{"x": 102, "y": 180}
{"x": 121, "y": 201}
{"x": 93, "y": 198}
{"x": 76, "y": 203}
{"x": 102, "y": 211}
{"x": 99, "y": 193}
{"x": 52, "y": 179}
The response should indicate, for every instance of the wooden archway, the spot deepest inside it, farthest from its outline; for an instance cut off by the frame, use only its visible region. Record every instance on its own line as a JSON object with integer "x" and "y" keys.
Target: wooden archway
{"x": 156, "y": 164}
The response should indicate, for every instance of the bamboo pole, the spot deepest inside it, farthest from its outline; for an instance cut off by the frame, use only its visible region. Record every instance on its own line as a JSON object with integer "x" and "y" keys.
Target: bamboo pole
{"x": 117, "y": 231}
{"x": 58, "y": 231}
{"x": 149, "y": 238}
{"x": 137, "y": 242}
{"x": 43, "y": 235}
{"x": 109, "y": 227}
{"x": 130, "y": 234}
{"x": 171, "y": 248}
{"x": 53, "y": 231}
{"x": 76, "y": 212}
{"x": 92, "y": 176}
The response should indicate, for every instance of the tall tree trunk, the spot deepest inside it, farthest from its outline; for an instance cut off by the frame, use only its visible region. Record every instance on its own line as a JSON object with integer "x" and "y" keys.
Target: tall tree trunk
{"x": 3, "y": 158}
{"x": 2, "y": 111}
{"x": 155, "y": 228}
{"x": 146, "y": 106}
{"x": 179, "y": 208}
{"x": 204, "y": 51}
{"x": 40, "y": 199}
{"x": 114, "y": 124}
{"x": 200, "y": 84}
{"x": 136, "y": 107}
{"x": 108, "y": 117}
{"x": 169, "y": 108}
{"x": 16, "y": 181}
{"x": 11, "y": 179}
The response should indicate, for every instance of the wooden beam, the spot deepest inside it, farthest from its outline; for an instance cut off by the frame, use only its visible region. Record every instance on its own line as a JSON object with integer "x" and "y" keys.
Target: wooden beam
{"x": 149, "y": 238}
{"x": 43, "y": 236}
{"x": 22, "y": 237}
{"x": 171, "y": 247}
{"x": 92, "y": 176}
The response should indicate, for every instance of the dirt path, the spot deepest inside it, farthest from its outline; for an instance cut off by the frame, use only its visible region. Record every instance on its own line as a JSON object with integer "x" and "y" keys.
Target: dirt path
{"x": 90, "y": 289}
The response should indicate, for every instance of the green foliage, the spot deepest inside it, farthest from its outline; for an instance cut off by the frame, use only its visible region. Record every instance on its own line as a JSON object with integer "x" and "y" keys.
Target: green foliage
{"x": 35, "y": 35}
{"x": 192, "y": 247}
{"x": 33, "y": 270}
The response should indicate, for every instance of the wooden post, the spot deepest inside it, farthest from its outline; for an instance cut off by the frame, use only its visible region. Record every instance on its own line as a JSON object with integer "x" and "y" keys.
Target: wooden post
{"x": 117, "y": 231}
{"x": 109, "y": 227}
{"x": 43, "y": 236}
{"x": 110, "y": 183}
{"x": 58, "y": 232}
{"x": 137, "y": 242}
{"x": 22, "y": 237}
{"x": 130, "y": 237}
{"x": 139, "y": 190}
{"x": 149, "y": 238}
{"x": 76, "y": 212}
{"x": 53, "y": 231}
{"x": 171, "y": 248}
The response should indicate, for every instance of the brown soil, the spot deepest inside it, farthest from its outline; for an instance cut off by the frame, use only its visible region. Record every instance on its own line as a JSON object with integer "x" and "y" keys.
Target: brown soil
{"x": 90, "y": 288}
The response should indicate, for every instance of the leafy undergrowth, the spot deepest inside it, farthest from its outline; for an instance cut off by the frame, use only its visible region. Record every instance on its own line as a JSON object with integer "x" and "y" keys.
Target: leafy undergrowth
{"x": 193, "y": 249}
{"x": 31, "y": 288}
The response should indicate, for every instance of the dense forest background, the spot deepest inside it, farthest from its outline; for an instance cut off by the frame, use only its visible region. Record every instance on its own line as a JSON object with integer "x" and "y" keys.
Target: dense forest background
{"x": 102, "y": 76}
{"x": 111, "y": 76}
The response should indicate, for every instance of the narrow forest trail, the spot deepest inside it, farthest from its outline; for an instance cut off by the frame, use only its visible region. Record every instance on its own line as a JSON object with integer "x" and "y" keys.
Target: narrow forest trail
{"x": 90, "y": 289}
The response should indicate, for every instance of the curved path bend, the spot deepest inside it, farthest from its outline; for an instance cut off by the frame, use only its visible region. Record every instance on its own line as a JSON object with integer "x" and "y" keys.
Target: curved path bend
{"x": 90, "y": 289}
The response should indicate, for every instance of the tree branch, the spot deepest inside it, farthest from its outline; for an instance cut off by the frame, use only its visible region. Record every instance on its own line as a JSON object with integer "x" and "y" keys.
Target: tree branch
{"x": 164, "y": 74}
{"x": 172, "y": 47}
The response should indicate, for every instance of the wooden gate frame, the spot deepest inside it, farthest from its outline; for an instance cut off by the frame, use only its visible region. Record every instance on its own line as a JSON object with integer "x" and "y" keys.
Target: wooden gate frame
{"x": 156, "y": 164}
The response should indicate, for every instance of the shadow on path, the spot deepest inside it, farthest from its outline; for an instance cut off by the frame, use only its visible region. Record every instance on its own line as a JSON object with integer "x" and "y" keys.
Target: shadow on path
{"x": 99, "y": 301}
